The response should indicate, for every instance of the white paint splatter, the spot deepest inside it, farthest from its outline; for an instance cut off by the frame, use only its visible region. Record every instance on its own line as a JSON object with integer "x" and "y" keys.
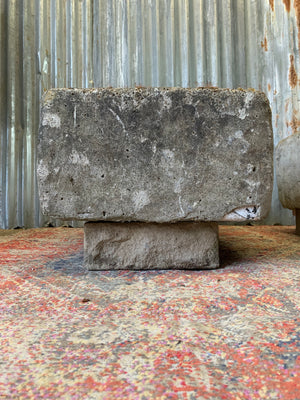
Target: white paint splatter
{"x": 168, "y": 162}
{"x": 238, "y": 134}
{"x": 243, "y": 213}
{"x": 77, "y": 158}
{"x": 243, "y": 144}
{"x": 248, "y": 99}
{"x": 180, "y": 206}
{"x": 250, "y": 168}
{"x": 74, "y": 115}
{"x": 253, "y": 185}
{"x": 177, "y": 185}
{"x": 140, "y": 199}
{"x": 167, "y": 104}
{"x": 52, "y": 120}
{"x": 118, "y": 118}
{"x": 84, "y": 215}
{"x": 42, "y": 171}
{"x": 168, "y": 154}
{"x": 242, "y": 113}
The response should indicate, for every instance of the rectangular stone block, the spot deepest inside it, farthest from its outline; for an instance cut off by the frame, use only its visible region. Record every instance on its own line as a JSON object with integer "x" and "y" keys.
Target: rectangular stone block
{"x": 141, "y": 246}
{"x": 155, "y": 155}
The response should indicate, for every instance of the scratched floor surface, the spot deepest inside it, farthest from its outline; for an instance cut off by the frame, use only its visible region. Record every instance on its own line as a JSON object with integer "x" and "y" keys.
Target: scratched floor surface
{"x": 232, "y": 333}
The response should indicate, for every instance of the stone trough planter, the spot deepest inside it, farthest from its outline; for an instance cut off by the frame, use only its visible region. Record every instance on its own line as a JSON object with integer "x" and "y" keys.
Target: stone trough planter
{"x": 288, "y": 174}
{"x": 152, "y": 171}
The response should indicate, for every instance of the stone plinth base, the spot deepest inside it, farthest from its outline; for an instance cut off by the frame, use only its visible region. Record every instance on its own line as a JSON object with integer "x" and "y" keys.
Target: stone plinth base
{"x": 142, "y": 246}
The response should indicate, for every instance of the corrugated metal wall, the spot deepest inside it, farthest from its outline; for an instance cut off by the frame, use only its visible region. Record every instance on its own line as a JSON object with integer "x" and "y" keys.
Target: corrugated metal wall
{"x": 92, "y": 43}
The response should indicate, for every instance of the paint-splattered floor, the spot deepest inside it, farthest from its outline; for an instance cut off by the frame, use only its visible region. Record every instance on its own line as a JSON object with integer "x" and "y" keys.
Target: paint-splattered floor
{"x": 232, "y": 333}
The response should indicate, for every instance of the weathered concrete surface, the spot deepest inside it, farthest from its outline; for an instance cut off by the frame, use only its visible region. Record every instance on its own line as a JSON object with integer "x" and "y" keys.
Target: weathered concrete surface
{"x": 155, "y": 155}
{"x": 288, "y": 171}
{"x": 132, "y": 245}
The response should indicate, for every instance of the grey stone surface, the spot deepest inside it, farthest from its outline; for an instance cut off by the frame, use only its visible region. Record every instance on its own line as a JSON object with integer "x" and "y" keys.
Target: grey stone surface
{"x": 288, "y": 171}
{"x": 155, "y": 155}
{"x": 141, "y": 246}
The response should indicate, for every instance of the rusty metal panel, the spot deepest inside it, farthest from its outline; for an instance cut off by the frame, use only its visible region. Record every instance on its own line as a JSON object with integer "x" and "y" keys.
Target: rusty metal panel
{"x": 119, "y": 43}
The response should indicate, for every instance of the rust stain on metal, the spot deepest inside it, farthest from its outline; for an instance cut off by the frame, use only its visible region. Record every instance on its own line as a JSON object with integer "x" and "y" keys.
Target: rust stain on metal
{"x": 293, "y": 78}
{"x": 297, "y": 12}
{"x": 294, "y": 123}
{"x": 276, "y": 120}
{"x": 271, "y": 4}
{"x": 286, "y": 106}
{"x": 264, "y": 44}
{"x": 269, "y": 87}
{"x": 208, "y": 85}
{"x": 287, "y": 4}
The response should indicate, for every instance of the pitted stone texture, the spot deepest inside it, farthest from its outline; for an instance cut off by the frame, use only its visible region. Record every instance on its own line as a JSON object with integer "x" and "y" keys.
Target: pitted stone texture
{"x": 155, "y": 155}
{"x": 141, "y": 246}
{"x": 288, "y": 171}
